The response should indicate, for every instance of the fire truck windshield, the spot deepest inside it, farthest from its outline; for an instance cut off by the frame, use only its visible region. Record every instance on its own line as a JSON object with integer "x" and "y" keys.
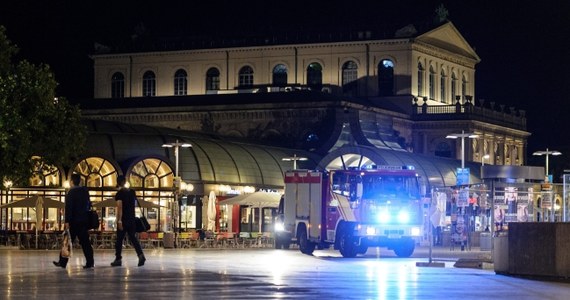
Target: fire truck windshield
{"x": 376, "y": 187}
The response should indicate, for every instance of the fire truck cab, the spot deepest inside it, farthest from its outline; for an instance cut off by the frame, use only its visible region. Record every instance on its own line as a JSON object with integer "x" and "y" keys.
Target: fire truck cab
{"x": 351, "y": 210}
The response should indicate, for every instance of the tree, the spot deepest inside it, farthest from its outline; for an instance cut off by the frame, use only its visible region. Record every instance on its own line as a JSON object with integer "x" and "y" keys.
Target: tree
{"x": 33, "y": 122}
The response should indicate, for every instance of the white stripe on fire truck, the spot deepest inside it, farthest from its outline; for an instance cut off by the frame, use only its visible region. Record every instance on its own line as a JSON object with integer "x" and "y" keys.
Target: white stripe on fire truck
{"x": 344, "y": 207}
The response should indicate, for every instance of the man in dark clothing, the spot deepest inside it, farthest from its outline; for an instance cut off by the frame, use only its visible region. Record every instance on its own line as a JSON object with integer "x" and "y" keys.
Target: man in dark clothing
{"x": 126, "y": 200}
{"x": 77, "y": 203}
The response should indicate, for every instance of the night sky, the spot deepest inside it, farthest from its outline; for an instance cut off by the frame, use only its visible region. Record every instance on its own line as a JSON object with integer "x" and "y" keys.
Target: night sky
{"x": 523, "y": 44}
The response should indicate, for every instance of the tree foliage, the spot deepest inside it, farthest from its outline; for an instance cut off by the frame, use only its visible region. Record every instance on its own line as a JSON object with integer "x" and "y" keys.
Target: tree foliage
{"x": 33, "y": 122}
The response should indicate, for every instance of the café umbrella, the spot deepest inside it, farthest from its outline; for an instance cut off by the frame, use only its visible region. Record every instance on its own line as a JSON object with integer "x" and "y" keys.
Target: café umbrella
{"x": 211, "y": 211}
{"x": 39, "y": 203}
{"x": 258, "y": 199}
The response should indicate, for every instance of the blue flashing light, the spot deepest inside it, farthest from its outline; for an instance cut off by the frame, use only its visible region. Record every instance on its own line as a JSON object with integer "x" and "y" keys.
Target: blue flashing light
{"x": 403, "y": 217}
{"x": 384, "y": 217}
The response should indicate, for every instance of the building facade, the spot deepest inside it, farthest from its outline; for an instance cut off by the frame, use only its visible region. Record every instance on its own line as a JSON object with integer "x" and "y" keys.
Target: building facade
{"x": 350, "y": 101}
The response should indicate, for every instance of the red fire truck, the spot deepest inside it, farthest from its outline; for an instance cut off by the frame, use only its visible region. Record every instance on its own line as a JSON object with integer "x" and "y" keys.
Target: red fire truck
{"x": 351, "y": 210}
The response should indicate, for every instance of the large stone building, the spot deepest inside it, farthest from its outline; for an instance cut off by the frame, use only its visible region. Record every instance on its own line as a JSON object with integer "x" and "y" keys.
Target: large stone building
{"x": 341, "y": 100}
{"x": 406, "y": 92}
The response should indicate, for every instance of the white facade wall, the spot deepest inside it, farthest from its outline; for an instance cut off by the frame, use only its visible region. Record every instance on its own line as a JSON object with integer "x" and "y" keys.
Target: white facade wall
{"x": 331, "y": 56}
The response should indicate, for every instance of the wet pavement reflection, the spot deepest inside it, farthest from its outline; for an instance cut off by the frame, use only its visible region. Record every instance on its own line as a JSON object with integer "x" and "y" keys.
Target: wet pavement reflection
{"x": 258, "y": 273}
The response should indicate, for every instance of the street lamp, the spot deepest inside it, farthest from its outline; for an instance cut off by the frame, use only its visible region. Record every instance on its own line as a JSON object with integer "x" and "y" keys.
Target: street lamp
{"x": 294, "y": 158}
{"x": 483, "y": 158}
{"x": 547, "y": 153}
{"x": 177, "y": 181}
{"x": 176, "y": 145}
{"x": 462, "y": 135}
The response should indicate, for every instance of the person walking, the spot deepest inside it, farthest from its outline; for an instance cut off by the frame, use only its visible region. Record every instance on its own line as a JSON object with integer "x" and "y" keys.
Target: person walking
{"x": 126, "y": 199}
{"x": 77, "y": 203}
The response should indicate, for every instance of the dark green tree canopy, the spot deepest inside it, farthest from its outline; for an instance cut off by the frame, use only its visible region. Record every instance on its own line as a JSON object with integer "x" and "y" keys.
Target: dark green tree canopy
{"x": 33, "y": 121}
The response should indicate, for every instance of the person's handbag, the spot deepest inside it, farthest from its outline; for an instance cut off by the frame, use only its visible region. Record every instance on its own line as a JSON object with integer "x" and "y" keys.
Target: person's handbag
{"x": 66, "y": 245}
{"x": 92, "y": 217}
{"x": 141, "y": 223}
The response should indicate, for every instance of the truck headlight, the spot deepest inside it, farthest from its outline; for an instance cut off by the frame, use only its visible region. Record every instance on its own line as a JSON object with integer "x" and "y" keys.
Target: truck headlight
{"x": 415, "y": 231}
{"x": 279, "y": 226}
{"x": 384, "y": 217}
{"x": 403, "y": 216}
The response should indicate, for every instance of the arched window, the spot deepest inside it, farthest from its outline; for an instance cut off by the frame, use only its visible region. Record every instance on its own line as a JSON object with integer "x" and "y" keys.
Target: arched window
{"x": 349, "y": 77}
{"x": 149, "y": 84}
{"x": 431, "y": 83}
{"x": 180, "y": 83}
{"x": 245, "y": 77}
{"x": 442, "y": 84}
{"x": 118, "y": 85}
{"x": 96, "y": 172}
{"x": 386, "y": 78}
{"x": 453, "y": 87}
{"x": 421, "y": 71}
{"x": 151, "y": 173}
{"x": 464, "y": 87}
{"x": 315, "y": 76}
{"x": 443, "y": 150}
{"x": 280, "y": 75}
{"x": 213, "y": 79}
{"x": 44, "y": 175}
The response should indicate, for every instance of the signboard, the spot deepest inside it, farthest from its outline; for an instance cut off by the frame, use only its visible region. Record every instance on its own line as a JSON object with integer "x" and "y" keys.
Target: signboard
{"x": 513, "y": 205}
{"x": 462, "y": 176}
{"x": 463, "y": 199}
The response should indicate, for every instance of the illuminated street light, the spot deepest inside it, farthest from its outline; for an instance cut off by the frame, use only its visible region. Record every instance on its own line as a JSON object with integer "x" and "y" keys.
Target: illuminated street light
{"x": 483, "y": 158}
{"x": 547, "y": 153}
{"x": 462, "y": 135}
{"x": 294, "y": 158}
{"x": 177, "y": 180}
{"x": 176, "y": 145}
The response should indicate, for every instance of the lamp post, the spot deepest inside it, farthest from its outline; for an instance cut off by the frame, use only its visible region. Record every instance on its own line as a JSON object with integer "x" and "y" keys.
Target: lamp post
{"x": 483, "y": 158}
{"x": 462, "y": 136}
{"x": 547, "y": 153}
{"x": 294, "y": 158}
{"x": 176, "y": 145}
{"x": 177, "y": 182}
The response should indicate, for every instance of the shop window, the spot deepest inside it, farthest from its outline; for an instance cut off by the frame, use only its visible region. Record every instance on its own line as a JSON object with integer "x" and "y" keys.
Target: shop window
{"x": 151, "y": 173}
{"x": 97, "y": 172}
{"x": 43, "y": 175}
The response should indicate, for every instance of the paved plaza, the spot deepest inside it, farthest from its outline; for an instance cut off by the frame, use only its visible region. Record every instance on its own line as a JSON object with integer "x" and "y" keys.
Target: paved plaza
{"x": 261, "y": 274}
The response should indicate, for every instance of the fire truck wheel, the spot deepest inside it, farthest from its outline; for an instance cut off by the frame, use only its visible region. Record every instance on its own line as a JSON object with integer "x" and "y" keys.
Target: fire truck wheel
{"x": 362, "y": 249}
{"x": 278, "y": 243}
{"x": 306, "y": 246}
{"x": 405, "y": 249}
{"x": 347, "y": 246}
